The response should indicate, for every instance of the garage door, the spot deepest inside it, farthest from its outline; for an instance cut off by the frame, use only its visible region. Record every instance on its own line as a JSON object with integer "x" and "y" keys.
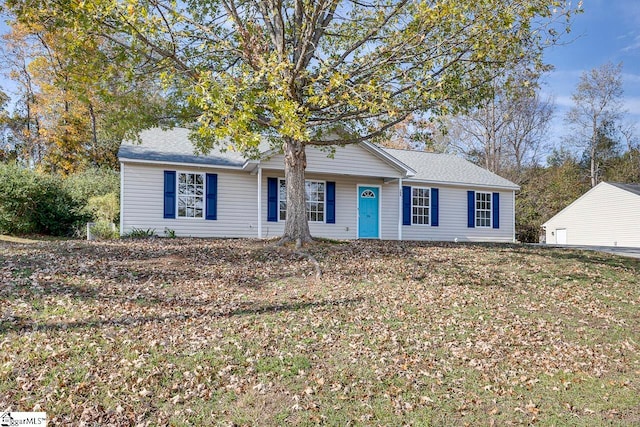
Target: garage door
{"x": 561, "y": 236}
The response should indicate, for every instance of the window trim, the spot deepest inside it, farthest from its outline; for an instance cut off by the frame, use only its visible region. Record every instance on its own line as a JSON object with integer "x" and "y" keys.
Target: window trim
{"x": 428, "y": 223}
{"x": 490, "y": 209}
{"x": 204, "y": 195}
{"x": 324, "y": 202}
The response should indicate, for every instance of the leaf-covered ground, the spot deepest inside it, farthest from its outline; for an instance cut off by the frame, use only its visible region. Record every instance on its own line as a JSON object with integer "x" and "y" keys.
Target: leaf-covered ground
{"x": 236, "y": 332}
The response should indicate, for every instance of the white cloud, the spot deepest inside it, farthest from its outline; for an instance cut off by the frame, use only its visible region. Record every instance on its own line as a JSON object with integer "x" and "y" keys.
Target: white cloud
{"x": 631, "y": 78}
{"x": 629, "y": 35}
{"x": 632, "y": 105}
{"x": 563, "y": 101}
{"x": 635, "y": 45}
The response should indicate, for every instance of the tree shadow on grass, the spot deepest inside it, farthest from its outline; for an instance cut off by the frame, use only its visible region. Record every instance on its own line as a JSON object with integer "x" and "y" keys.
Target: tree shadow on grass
{"x": 249, "y": 266}
{"x": 22, "y": 324}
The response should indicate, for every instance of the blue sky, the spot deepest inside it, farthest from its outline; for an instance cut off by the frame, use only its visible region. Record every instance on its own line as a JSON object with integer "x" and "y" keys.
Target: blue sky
{"x": 607, "y": 31}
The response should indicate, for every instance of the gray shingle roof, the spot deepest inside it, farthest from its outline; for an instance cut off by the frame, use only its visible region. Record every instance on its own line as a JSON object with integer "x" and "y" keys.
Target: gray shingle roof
{"x": 432, "y": 167}
{"x": 174, "y": 146}
{"x": 632, "y": 188}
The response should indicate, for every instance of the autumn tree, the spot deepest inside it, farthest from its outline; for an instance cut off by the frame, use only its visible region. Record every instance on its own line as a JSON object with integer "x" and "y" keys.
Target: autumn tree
{"x": 21, "y": 125}
{"x": 545, "y": 191}
{"x": 414, "y": 133}
{"x": 6, "y": 152}
{"x": 626, "y": 166}
{"x": 595, "y": 116}
{"x": 301, "y": 72}
{"x": 65, "y": 119}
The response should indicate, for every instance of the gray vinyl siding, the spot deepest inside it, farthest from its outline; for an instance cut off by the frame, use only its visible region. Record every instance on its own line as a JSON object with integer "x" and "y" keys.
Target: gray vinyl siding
{"x": 143, "y": 201}
{"x": 351, "y": 159}
{"x": 452, "y": 216}
{"x": 604, "y": 216}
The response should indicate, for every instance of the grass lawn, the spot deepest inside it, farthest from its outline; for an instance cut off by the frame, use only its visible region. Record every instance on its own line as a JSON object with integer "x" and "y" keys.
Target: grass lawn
{"x": 235, "y": 332}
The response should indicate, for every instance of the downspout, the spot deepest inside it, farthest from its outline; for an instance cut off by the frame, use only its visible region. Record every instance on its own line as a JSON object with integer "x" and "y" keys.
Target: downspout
{"x": 514, "y": 216}
{"x": 121, "y": 198}
{"x": 259, "y": 202}
{"x": 400, "y": 209}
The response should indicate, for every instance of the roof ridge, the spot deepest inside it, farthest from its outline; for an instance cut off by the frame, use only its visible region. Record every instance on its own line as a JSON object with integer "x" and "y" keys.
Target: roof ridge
{"x": 409, "y": 150}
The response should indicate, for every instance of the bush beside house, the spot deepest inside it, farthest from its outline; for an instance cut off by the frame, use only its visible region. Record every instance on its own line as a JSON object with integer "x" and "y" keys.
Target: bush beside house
{"x": 37, "y": 203}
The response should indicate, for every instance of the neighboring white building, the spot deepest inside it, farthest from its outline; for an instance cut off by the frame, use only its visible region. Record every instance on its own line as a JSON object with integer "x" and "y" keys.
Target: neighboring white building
{"x": 360, "y": 191}
{"x": 606, "y": 215}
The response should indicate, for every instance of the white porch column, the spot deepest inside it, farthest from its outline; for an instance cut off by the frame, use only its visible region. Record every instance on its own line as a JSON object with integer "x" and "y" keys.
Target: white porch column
{"x": 400, "y": 209}
{"x": 259, "y": 202}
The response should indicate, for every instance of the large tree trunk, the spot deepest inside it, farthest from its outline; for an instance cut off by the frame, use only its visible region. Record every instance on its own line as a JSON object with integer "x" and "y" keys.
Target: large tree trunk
{"x": 296, "y": 227}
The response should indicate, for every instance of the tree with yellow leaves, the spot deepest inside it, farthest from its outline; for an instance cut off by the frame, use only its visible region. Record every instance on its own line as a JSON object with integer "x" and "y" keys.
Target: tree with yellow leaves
{"x": 310, "y": 72}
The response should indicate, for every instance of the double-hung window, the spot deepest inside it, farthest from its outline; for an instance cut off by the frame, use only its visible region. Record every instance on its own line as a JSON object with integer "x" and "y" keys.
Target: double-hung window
{"x": 190, "y": 195}
{"x": 315, "y": 200}
{"x": 420, "y": 205}
{"x": 282, "y": 200}
{"x": 483, "y": 209}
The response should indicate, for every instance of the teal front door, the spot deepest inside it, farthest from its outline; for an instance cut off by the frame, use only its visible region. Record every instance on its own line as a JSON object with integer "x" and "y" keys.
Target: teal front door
{"x": 368, "y": 212}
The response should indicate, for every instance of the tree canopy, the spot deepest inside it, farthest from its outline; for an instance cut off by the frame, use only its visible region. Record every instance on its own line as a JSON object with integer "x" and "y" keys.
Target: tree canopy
{"x": 303, "y": 72}
{"x": 596, "y": 114}
{"x": 505, "y": 132}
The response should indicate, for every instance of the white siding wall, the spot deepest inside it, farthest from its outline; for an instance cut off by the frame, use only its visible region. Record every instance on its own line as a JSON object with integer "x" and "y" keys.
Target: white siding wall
{"x": 349, "y": 160}
{"x": 346, "y": 207}
{"x": 605, "y": 216}
{"x": 389, "y": 211}
{"x": 143, "y": 201}
{"x": 452, "y": 215}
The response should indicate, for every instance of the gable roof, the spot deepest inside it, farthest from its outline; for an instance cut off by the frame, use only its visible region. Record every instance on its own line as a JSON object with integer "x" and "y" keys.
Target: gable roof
{"x": 450, "y": 169}
{"x": 174, "y": 146}
{"x": 632, "y": 188}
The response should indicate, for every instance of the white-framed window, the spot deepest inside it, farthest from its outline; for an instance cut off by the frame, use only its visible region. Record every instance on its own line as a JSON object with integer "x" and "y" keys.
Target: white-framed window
{"x": 315, "y": 195}
{"x": 190, "y": 195}
{"x": 483, "y": 209}
{"x": 420, "y": 205}
{"x": 315, "y": 192}
{"x": 282, "y": 200}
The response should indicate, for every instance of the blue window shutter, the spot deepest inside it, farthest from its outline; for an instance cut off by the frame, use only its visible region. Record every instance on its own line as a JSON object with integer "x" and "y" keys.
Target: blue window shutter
{"x": 211, "y": 204}
{"x": 434, "y": 206}
{"x": 272, "y": 199}
{"x": 406, "y": 205}
{"x": 471, "y": 209}
{"x": 331, "y": 202}
{"x": 169, "y": 194}
{"x": 495, "y": 206}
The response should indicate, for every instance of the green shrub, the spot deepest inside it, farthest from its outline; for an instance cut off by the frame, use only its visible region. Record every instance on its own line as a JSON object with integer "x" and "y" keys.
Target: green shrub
{"x": 105, "y": 208}
{"x": 139, "y": 233}
{"x": 31, "y": 202}
{"x": 104, "y": 230}
{"x": 85, "y": 185}
{"x": 92, "y": 182}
